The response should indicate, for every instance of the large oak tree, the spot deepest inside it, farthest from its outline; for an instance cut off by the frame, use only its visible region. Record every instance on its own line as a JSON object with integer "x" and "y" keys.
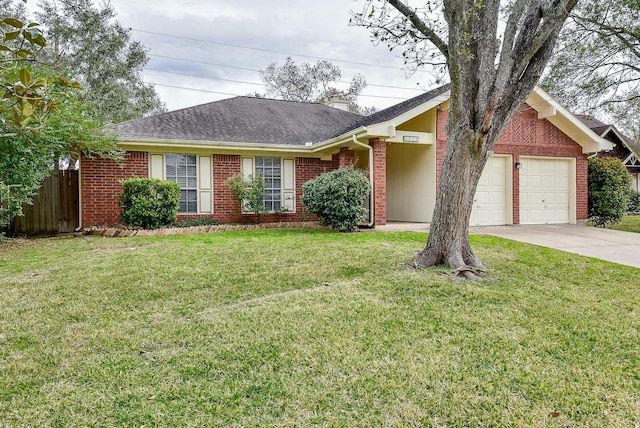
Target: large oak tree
{"x": 495, "y": 53}
{"x": 87, "y": 42}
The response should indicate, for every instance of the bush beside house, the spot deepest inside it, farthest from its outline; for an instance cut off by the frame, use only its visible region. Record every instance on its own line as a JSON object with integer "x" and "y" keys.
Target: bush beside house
{"x": 609, "y": 191}
{"x": 249, "y": 191}
{"x": 149, "y": 203}
{"x": 337, "y": 198}
{"x": 634, "y": 202}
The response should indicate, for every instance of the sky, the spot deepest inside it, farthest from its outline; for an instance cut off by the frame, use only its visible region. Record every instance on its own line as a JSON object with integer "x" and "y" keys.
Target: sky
{"x": 227, "y": 42}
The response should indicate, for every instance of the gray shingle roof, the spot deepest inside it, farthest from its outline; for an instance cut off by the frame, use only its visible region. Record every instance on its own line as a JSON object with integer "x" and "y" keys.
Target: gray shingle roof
{"x": 243, "y": 120}
{"x": 261, "y": 121}
{"x": 601, "y": 128}
{"x": 396, "y": 110}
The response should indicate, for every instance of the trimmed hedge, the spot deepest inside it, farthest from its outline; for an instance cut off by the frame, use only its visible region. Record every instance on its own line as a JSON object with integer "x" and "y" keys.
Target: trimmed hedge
{"x": 149, "y": 203}
{"x": 337, "y": 198}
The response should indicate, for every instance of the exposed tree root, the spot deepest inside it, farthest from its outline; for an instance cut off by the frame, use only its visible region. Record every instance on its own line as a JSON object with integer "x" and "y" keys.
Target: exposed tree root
{"x": 468, "y": 266}
{"x": 469, "y": 272}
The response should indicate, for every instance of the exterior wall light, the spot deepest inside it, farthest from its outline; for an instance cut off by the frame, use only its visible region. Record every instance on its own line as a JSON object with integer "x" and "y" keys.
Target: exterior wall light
{"x": 518, "y": 165}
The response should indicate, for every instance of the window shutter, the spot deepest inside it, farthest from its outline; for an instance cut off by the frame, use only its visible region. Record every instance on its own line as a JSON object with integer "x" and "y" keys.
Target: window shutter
{"x": 288, "y": 185}
{"x": 247, "y": 170}
{"x": 156, "y": 166}
{"x": 247, "y": 166}
{"x": 205, "y": 185}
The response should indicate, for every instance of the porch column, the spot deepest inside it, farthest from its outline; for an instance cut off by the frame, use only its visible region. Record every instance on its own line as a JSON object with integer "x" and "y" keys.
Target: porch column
{"x": 346, "y": 157}
{"x": 379, "y": 181}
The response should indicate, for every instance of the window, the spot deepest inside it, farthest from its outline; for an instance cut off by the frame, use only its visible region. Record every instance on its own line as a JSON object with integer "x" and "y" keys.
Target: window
{"x": 183, "y": 170}
{"x": 271, "y": 171}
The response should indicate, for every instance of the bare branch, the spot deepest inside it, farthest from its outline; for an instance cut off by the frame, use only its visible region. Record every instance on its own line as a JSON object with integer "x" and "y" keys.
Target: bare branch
{"x": 411, "y": 15}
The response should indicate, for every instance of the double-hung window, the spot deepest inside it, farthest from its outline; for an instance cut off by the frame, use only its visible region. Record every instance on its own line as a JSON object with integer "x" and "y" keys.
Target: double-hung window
{"x": 183, "y": 170}
{"x": 279, "y": 181}
{"x": 270, "y": 169}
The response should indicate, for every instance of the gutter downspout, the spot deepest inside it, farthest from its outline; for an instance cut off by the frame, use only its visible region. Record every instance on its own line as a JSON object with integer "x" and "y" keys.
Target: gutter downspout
{"x": 371, "y": 202}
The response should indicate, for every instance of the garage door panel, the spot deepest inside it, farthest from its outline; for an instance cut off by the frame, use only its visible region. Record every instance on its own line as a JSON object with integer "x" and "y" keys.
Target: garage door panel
{"x": 545, "y": 191}
{"x": 483, "y": 198}
{"x": 489, "y": 206}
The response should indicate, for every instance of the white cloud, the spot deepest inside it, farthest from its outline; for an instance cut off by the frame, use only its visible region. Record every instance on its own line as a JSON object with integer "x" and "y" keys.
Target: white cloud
{"x": 304, "y": 29}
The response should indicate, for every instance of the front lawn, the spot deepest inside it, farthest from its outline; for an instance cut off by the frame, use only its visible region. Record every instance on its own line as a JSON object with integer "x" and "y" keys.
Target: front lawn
{"x": 308, "y": 328}
{"x": 630, "y": 223}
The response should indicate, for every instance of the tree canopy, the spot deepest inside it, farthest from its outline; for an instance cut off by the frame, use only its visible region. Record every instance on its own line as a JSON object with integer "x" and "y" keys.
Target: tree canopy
{"x": 596, "y": 67}
{"x": 88, "y": 43}
{"x": 307, "y": 82}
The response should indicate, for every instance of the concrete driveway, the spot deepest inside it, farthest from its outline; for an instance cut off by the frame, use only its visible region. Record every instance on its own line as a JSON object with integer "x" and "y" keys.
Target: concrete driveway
{"x": 611, "y": 245}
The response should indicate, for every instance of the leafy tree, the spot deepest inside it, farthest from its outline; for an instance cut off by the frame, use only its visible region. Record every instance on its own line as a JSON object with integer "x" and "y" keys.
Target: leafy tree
{"x": 609, "y": 190}
{"x": 249, "y": 191}
{"x": 310, "y": 83}
{"x": 596, "y": 68}
{"x": 88, "y": 43}
{"x": 41, "y": 118}
{"x": 25, "y": 160}
{"x": 494, "y": 52}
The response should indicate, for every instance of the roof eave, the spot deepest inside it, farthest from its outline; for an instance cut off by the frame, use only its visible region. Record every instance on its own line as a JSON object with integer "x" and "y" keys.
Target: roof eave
{"x": 209, "y": 145}
{"x": 573, "y": 127}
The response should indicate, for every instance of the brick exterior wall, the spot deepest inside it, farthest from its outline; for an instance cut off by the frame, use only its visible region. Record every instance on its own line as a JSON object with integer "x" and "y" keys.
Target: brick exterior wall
{"x": 306, "y": 169}
{"x": 100, "y": 186}
{"x": 379, "y": 181}
{"x": 226, "y": 209}
{"x": 346, "y": 157}
{"x": 526, "y": 135}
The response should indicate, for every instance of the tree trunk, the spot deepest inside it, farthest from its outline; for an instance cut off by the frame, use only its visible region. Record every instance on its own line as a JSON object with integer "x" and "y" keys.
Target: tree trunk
{"x": 494, "y": 64}
{"x": 448, "y": 243}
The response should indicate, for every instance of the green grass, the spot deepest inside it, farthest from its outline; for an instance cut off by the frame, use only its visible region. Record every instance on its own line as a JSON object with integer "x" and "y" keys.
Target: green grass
{"x": 307, "y": 328}
{"x": 630, "y": 223}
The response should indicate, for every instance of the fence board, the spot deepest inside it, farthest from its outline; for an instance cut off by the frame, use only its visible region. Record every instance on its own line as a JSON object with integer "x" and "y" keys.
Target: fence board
{"x": 55, "y": 209}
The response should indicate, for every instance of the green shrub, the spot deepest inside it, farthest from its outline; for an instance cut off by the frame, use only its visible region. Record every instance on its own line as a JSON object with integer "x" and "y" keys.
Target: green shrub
{"x": 634, "y": 202}
{"x": 609, "y": 191}
{"x": 149, "y": 203}
{"x": 249, "y": 191}
{"x": 337, "y": 198}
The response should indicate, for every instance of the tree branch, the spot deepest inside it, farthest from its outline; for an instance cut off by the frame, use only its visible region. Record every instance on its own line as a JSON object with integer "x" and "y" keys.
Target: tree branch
{"x": 411, "y": 15}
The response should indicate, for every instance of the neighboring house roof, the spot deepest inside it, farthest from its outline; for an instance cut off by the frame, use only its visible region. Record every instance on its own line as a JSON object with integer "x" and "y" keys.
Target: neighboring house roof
{"x": 603, "y": 129}
{"x": 253, "y": 120}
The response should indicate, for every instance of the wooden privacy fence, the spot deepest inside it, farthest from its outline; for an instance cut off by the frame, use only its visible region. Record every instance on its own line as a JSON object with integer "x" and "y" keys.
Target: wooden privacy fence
{"x": 55, "y": 209}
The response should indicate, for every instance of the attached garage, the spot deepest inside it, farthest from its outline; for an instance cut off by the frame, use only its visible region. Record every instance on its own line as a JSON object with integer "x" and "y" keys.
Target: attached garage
{"x": 492, "y": 201}
{"x": 547, "y": 190}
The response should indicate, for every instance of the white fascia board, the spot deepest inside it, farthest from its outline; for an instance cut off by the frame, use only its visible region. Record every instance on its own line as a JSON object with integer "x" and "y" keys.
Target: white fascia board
{"x": 573, "y": 127}
{"x": 211, "y": 145}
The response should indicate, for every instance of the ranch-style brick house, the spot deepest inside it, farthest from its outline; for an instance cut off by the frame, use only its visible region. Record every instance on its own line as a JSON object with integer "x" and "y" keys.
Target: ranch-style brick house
{"x": 536, "y": 175}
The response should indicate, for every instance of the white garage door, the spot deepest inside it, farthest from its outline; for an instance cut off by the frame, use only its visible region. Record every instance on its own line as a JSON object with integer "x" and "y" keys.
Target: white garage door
{"x": 490, "y": 200}
{"x": 544, "y": 191}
